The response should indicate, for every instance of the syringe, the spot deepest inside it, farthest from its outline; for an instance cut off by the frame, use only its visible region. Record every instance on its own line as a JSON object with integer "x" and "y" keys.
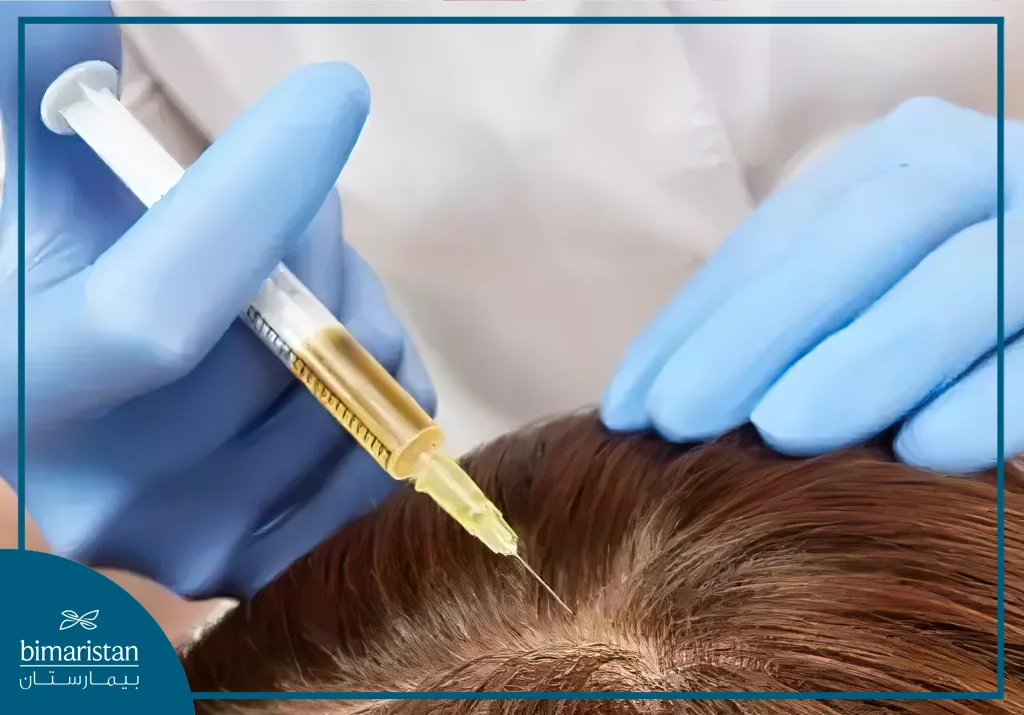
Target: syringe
{"x": 370, "y": 404}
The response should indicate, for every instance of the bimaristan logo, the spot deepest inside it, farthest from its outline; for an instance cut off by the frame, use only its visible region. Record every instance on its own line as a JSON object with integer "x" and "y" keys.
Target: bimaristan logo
{"x": 79, "y": 664}
{"x": 72, "y": 619}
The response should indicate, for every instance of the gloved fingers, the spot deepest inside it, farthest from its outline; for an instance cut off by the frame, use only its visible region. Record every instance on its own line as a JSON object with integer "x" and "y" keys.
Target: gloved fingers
{"x": 350, "y": 488}
{"x": 241, "y": 488}
{"x": 238, "y": 387}
{"x": 295, "y": 435}
{"x": 367, "y": 314}
{"x": 956, "y": 433}
{"x": 239, "y": 368}
{"x": 343, "y": 483}
{"x": 850, "y": 256}
{"x": 348, "y": 286}
{"x": 160, "y": 298}
{"x": 49, "y": 50}
{"x": 171, "y": 286}
{"x": 74, "y": 205}
{"x": 318, "y": 259}
{"x": 344, "y": 477}
{"x": 779, "y": 225}
{"x": 910, "y": 345}
{"x": 764, "y": 237}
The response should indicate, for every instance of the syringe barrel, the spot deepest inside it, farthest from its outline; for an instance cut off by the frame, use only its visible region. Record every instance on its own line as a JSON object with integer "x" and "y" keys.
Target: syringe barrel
{"x": 341, "y": 374}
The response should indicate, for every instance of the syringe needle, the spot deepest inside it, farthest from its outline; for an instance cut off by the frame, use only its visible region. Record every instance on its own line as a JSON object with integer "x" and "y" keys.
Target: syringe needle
{"x": 541, "y": 582}
{"x": 291, "y": 321}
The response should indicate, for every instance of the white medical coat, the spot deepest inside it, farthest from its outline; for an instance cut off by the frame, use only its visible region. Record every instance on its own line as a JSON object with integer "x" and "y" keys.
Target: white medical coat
{"x": 531, "y": 194}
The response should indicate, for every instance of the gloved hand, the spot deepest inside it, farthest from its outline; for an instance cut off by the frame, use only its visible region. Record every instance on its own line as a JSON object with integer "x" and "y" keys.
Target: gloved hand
{"x": 859, "y": 294}
{"x": 162, "y": 436}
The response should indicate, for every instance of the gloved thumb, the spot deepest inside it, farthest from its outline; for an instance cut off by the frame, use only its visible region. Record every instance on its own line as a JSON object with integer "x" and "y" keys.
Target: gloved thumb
{"x": 49, "y": 49}
{"x": 183, "y": 272}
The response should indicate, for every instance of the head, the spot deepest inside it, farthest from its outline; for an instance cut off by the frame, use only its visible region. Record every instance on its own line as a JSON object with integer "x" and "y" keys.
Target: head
{"x": 724, "y": 567}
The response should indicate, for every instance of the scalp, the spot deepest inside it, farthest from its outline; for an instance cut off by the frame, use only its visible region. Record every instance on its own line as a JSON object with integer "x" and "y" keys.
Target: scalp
{"x": 721, "y": 567}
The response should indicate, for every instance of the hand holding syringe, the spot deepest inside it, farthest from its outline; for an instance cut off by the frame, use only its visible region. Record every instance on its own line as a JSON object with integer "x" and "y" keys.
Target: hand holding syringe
{"x": 319, "y": 351}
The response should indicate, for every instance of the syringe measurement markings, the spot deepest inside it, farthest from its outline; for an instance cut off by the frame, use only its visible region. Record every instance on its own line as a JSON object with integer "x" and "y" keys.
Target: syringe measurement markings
{"x": 268, "y": 335}
{"x": 348, "y": 419}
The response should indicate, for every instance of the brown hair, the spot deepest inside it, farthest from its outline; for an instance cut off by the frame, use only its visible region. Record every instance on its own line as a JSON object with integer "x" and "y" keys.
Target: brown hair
{"x": 719, "y": 568}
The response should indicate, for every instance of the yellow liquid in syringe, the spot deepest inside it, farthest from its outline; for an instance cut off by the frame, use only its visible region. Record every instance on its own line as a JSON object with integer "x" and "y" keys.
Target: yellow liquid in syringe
{"x": 366, "y": 400}
{"x": 403, "y": 439}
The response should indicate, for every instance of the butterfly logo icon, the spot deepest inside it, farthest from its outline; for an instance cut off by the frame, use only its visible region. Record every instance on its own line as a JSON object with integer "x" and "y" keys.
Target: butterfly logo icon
{"x": 72, "y": 619}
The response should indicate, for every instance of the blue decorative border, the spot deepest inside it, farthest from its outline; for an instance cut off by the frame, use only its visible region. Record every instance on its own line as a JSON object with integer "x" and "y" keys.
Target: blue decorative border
{"x": 997, "y": 694}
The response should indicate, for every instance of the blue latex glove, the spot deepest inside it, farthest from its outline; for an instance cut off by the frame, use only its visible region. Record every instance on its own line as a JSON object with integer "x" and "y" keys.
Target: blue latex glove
{"x": 162, "y": 436}
{"x": 862, "y": 291}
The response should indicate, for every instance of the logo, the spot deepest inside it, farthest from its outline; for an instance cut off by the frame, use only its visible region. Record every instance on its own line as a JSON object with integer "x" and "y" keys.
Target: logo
{"x": 79, "y": 664}
{"x": 72, "y": 619}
